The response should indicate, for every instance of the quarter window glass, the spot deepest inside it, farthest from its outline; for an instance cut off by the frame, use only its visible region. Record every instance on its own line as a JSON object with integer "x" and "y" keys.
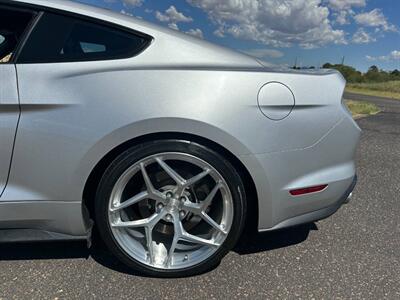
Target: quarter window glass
{"x": 92, "y": 48}
{"x": 77, "y": 40}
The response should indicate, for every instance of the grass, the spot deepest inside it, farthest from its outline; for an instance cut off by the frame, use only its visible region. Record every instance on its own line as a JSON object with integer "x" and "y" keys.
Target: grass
{"x": 390, "y": 89}
{"x": 362, "y": 109}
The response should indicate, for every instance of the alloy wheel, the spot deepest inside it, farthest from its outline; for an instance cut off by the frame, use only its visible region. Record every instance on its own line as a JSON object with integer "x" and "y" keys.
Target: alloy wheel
{"x": 170, "y": 211}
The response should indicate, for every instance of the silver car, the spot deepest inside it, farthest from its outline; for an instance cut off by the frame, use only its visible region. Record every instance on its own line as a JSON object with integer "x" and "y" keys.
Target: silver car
{"x": 163, "y": 145}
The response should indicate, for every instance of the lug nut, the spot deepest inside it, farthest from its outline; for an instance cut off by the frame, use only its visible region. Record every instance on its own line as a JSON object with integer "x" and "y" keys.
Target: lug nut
{"x": 182, "y": 214}
{"x": 160, "y": 206}
{"x": 183, "y": 199}
{"x": 169, "y": 218}
{"x": 169, "y": 195}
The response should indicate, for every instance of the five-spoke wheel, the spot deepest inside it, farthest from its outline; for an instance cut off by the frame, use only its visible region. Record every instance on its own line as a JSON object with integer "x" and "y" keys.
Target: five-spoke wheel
{"x": 170, "y": 208}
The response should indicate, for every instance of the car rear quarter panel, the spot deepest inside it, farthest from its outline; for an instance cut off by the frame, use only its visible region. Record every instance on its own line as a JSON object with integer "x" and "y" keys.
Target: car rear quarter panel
{"x": 74, "y": 114}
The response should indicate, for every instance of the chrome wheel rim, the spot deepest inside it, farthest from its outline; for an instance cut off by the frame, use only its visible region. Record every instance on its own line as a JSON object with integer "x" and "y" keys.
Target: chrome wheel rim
{"x": 170, "y": 211}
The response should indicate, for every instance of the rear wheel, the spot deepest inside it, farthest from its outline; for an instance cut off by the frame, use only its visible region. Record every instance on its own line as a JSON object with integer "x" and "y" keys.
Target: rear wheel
{"x": 170, "y": 208}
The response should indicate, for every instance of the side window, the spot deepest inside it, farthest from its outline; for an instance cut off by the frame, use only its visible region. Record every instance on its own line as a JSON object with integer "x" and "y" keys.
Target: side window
{"x": 72, "y": 40}
{"x": 12, "y": 26}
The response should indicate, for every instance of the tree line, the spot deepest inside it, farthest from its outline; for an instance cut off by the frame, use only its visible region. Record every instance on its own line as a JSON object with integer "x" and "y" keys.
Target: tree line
{"x": 374, "y": 74}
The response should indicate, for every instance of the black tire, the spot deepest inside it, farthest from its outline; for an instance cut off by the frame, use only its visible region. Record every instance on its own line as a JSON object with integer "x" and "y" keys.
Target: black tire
{"x": 133, "y": 155}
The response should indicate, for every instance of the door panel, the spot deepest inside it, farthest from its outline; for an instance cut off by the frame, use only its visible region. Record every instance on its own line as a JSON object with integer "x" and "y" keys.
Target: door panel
{"x": 9, "y": 114}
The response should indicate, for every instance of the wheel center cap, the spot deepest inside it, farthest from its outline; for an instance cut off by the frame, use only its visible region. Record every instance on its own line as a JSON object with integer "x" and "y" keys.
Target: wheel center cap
{"x": 174, "y": 203}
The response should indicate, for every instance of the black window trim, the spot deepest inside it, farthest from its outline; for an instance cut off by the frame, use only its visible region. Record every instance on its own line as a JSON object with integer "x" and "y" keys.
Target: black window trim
{"x": 27, "y": 31}
{"x": 26, "y": 36}
{"x": 40, "y": 10}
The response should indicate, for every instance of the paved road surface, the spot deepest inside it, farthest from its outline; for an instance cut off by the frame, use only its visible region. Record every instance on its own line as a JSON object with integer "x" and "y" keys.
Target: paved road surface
{"x": 386, "y": 104}
{"x": 354, "y": 254}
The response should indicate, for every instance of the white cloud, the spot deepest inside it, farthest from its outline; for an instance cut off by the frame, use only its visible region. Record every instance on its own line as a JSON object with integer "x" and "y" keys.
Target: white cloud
{"x": 341, "y": 5}
{"x": 219, "y": 32}
{"x": 172, "y": 15}
{"x": 374, "y": 18}
{"x": 273, "y": 22}
{"x": 394, "y": 55}
{"x": 173, "y": 26}
{"x": 342, "y": 17}
{"x": 263, "y": 53}
{"x": 362, "y": 37}
{"x": 343, "y": 9}
{"x": 196, "y": 32}
{"x": 124, "y": 12}
{"x": 132, "y": 3}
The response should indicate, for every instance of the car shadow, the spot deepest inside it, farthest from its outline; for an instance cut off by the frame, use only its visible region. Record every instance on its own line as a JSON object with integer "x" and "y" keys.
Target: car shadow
{"x": 60, "y": 250}
{"x": 43, "y": 250}
{"x": 268, "y": 241}
{"x": 252, "y": 243}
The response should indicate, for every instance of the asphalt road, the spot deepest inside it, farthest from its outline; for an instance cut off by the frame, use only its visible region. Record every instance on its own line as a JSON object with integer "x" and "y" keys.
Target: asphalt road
{"x": 354, "y": 254}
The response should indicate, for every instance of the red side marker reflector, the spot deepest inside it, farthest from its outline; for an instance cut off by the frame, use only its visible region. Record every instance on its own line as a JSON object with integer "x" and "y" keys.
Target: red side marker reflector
{"x": 308, "y": 190}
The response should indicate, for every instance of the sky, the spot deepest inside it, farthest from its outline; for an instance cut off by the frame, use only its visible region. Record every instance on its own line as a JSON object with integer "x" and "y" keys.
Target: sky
{"x": 309, "y": 32}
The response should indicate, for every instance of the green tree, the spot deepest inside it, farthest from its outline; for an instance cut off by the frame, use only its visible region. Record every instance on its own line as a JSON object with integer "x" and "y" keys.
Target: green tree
{"x": 395, "y": 75}
{"x": 373, "y": 69}
{"x": 374, "y": 74}
{"x": 349, "y": 73}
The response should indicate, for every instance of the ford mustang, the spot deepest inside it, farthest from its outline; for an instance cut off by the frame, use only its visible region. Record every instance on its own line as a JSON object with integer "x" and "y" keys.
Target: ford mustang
{"x": 163, "y": 144}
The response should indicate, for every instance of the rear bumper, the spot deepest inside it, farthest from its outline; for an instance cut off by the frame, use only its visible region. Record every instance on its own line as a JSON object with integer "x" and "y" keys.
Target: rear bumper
{"x": 329, "y": 161}
{"x": 318, "y": 214}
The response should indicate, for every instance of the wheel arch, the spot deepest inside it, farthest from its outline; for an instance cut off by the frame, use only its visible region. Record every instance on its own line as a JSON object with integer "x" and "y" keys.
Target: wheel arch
{"x": 90, "y": 188}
